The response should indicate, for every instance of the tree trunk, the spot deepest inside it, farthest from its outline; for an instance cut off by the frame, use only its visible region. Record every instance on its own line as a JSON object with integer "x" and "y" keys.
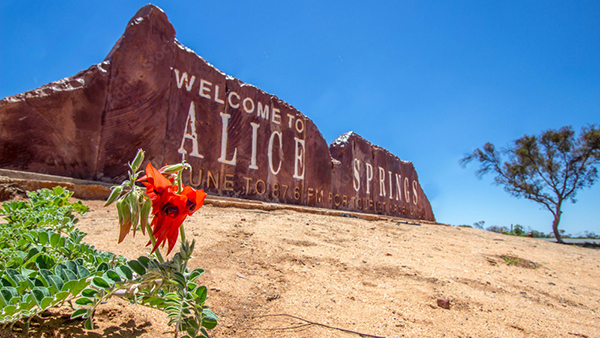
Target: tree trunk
{"x": 555, "y": 225}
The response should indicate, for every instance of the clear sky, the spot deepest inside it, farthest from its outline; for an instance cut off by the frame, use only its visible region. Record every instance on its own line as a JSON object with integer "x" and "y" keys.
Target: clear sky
{"x": 428, "y": 80}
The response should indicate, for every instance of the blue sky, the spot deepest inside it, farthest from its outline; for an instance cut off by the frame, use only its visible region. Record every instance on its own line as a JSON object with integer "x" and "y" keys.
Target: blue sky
{"x": 428, "y": 80}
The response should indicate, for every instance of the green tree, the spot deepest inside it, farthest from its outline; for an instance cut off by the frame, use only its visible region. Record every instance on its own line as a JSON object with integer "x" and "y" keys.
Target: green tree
{"x": 518, "y": 230}
{"x": 478, "y": 225}
{"x": 548, "y": 169}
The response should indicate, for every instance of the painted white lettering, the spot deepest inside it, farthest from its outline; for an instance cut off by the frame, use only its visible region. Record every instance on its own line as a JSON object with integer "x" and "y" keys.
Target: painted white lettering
{"x": 356, "y": 179}
{"x": 270, "y": 153}
{"x": 260, "y": 112}
{"x": 299, "y": 125}
{"x": 254, "y": 145}
{"x": 276, "y": 116}
{"x": 398, "y": 187}
{"x": 231, "y": 104}
{"x": 369, "y": 176}
{"x": 299, "y": 159}
{"x": 391, "y": 184}
{"x": 190, "y": 134}
{"x": 217, "y": 99}
{"x": 222, "y": 159}
{"x": 250, "y": 109}
{"x": 290, "y": 120}
{"x": 414, "y": 189}
{"x": 203, "y": 89}
{"x": 406, "y": 191}
{"x": 184, "y": 79}
{"x": 382, "y": 182}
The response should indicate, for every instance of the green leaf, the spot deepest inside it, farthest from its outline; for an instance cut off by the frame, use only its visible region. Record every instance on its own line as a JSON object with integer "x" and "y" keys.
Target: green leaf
{"x": 84, "y": 301}
{"x": 54, "y": 237}
{"x": 89, "y": 293}
{"x": 114, "y": 195}
{"x": 144, "y": 261}
{"x": 58, "y": 190}
{"x": 191, "y": 321}
{"x": 204, "y": 332}
{"x": 71, "y": 265}
{"x": 39, "y": 293}
{"x": 62, "y": 295}
{"x": 8, "y": 293}
{"x": 78, "y": 313}
{"x": 196, "y": 273}
{"x": 43, "y": 237}
{"x": 31, "y": 254}
{"x": 46, "y": 302}
{"x": 201, "y": 294}
{"x": 112, "y": 276}
{"x": 156, "y": 301}
{"x": 210, "y": 319}
{"x": 68, "y": 275}
{"x": 9, "y": 310}
{"x": 173, "y": 309}
{"x": 83, "y": 271}
{"x": 61, "y": 242}
{"x": 124, "y": 272}
{"x": 102, "y": 266}
{"x": 100, "y": 283}
{"x": 137, "y": 267}
{"x": 56, "y": 282}
{"x": 191, "y": 331}
{"x": 69, "y": 285}
{"x": 44, "y": 261}
{"x": 27, "y": 272}
{"x": 81, "y": 284}
{"x": 177, "y": 281}
{"x": 45, "y": 274}
{"x": 89, "y": 324}
{"x": 27, "y": 303}
{"x": 15, "y": 276}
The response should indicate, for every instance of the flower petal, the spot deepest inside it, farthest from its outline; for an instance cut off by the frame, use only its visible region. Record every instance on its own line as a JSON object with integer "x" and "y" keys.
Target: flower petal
{"x": 195, "y": 199}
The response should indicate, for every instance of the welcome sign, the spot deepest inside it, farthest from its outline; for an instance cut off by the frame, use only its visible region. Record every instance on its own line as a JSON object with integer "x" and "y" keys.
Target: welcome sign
{"x": 153, "y": 93}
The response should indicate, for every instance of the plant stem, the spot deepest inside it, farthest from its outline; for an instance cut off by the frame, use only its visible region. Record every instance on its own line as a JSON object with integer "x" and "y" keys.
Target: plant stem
{"x": 153, "y": 241}
{"x": 182, "y": 233}
{"x": 179, "y": 181}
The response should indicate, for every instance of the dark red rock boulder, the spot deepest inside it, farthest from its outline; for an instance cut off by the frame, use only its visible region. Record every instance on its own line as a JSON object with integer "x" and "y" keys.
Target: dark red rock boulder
{"x": 151, "y": 92}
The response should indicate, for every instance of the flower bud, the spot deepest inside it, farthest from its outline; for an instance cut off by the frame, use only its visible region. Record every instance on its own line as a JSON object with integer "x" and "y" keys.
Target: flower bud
{"x": 144, "y": 214}
{"x": 135, "y": 213}
{"x": 115, "y": 193}
{"x": 137, "y": 161}
{"x": 119, "y": 212}
{"x": 171, "y": 169}
{"x": 124, "y": 217}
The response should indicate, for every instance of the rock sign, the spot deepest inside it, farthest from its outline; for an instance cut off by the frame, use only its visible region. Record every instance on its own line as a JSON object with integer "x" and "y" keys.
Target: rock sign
{"x": 151, "y": 92}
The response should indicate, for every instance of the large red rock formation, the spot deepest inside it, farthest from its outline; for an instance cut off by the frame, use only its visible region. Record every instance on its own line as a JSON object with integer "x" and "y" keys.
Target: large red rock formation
{"x": 151, "y": 92}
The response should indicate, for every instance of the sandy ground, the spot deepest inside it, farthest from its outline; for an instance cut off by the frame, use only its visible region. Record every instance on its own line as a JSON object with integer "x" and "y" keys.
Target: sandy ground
{"x": 381, "y": 278}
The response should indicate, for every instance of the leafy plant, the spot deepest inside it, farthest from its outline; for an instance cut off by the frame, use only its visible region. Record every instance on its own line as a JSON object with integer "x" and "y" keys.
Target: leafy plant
{"x": 46, "y": 264}
{"x": 168, "y": 286}
{"x": 511, "y": 260}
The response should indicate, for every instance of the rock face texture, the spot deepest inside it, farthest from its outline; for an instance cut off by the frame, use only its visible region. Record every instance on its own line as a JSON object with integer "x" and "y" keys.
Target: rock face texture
{"x": 151, "y": 92}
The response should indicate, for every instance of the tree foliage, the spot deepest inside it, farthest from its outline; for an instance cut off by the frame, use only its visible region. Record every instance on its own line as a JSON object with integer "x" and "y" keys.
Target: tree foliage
{"x": 548, "y": 169}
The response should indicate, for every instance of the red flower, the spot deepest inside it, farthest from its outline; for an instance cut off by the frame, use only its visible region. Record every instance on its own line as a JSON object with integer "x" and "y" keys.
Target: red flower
{"x": 168, "y": 207}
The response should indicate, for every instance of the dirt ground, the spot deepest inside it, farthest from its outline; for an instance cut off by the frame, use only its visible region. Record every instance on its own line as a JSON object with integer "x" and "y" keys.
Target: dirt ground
{"x": 380, "y": 278}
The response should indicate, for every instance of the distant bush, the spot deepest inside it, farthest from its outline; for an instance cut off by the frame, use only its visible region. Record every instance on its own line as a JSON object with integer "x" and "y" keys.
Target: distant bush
{"x": 494, "y": 228}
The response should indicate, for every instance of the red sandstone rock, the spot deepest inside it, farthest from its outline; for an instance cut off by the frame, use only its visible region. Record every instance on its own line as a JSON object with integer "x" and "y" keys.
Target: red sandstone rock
{"x": 153, "y": 93}
{"x": 443, "y": 303}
